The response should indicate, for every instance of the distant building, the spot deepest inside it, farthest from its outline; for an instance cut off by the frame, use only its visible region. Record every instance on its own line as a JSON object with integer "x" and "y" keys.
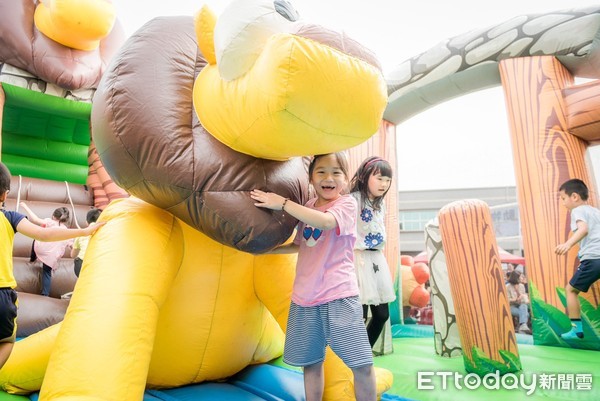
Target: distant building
{"x": 416, "y": 208}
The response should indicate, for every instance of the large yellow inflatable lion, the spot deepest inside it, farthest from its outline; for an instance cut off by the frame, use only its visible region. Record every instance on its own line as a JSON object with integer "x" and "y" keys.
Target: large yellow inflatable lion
{"x": 173, "y": 290}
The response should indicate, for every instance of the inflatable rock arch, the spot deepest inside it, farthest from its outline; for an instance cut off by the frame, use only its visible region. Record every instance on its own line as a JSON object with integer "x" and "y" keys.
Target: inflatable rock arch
{"x": 470, "y": 62}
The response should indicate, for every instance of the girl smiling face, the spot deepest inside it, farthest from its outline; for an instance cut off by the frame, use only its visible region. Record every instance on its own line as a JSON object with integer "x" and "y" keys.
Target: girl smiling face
{"x": 329, "y": 177}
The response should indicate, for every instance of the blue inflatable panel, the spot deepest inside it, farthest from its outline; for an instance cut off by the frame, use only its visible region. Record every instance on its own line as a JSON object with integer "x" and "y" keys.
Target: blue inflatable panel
{"x": 412, "y": 330}
{"x": 202, "y": 392}
{"x": 271, "y": 383}
{"x": 392, "y": 397}
{"x": 255, "y": 383}
{"x": 425, "y": 330}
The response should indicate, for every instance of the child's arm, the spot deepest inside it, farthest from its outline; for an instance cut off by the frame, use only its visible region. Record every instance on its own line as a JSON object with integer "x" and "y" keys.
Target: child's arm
{"x": 75, "y": 249}
{"x": 314, "y": 218}
{"x": 50, "y": 234}
{"x": 32, "y": 216}
{"x": 582, "y": 230}
{"x": 511, "y": 299}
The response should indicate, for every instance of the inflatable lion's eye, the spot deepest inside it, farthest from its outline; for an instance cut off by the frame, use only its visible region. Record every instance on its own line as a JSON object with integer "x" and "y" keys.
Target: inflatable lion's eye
{"x": 286, "y": 9}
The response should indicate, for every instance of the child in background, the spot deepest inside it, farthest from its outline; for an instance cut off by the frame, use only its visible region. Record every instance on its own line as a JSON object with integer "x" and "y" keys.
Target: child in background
{"x": 80, "y": 244}
{"x": 369, "y": 186}
{"x": 49, "y": 253}
{"x": 585, "y": 224}
{"x": 325, "y": 309}
{"x": 10, "y": 223}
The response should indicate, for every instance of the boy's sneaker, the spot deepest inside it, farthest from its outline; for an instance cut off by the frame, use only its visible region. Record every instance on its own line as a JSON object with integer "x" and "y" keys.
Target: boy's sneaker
{"x": 524, "y": 329}
{"x": 572, "y": 335}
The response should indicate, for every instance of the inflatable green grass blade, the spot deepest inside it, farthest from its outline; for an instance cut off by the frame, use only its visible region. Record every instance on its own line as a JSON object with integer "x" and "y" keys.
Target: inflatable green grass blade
{"x": 11, "y": 397}
{"x": 513, "y": 361}
{"x": 482, "y": 364}
{"x": 548, "y": 322}
{"x": 590, "y": 317}
{"x": 590, "y": 321}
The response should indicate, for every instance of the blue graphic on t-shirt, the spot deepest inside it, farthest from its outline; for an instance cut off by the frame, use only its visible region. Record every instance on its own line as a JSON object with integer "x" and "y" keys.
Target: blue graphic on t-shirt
{"x": 311, "y": 235}
{"x": 311, "y": 232}
{"x": 366, "y": 215}
{"x": 373, "y": 239}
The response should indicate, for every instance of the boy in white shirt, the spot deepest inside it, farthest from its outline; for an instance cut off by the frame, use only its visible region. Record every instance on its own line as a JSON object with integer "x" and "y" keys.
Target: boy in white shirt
{"x": 585, "y": 224}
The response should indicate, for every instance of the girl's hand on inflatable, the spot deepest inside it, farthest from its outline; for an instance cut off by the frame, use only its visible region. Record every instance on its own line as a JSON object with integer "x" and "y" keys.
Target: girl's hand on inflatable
{"x": 267, "y": 200}
{"x": 93, "y": 228}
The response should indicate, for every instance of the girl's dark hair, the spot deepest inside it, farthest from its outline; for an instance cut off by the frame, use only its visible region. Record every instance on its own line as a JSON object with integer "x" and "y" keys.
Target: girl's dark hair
{"x": 341, "y": 158}
{"x": 360, "y": 182}
{"x": 93, "y": 215}
{"x": 514, "y": 277}
{"x": 61, "y": 214}
{"x": 575, "y": 186}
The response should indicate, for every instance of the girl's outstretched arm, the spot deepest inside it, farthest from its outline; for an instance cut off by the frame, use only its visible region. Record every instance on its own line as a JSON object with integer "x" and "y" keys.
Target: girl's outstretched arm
{"x": 32, "y": 216}
{"x": 50, "y": 234}
{"x": 314, "y": 218}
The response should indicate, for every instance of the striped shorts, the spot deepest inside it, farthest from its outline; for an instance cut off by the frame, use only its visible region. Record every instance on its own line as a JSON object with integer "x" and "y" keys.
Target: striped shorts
{"x": 338, "y": 323}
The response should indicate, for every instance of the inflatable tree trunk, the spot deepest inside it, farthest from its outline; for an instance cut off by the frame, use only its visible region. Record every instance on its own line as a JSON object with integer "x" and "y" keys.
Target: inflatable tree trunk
{"x": 477, "y": 284}
{"x": 545, "y": 156}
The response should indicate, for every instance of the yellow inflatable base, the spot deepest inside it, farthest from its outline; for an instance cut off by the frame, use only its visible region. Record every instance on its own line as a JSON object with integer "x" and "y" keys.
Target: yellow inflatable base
{"x": 158, "y": 304}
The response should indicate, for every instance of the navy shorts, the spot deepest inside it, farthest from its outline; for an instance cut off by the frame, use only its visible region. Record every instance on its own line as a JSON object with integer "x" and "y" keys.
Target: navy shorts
{"x": 338, "y": 323}
{"x": 8, "y": 315}
{"x": 588, "y": 272}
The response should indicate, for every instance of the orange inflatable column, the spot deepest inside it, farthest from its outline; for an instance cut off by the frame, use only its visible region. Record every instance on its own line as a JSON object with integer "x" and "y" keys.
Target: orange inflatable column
{"x": 545, "y": 155}
{"x": 102, "y": 186}
{"x": 477, "y": 285}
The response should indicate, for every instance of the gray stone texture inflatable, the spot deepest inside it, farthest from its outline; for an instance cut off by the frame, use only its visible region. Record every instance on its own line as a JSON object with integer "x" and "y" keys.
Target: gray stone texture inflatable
{"x": 469, "y": 62}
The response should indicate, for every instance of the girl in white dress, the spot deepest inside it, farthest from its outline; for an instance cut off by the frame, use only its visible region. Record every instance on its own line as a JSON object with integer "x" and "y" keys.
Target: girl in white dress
{"x": 369, "y": 186}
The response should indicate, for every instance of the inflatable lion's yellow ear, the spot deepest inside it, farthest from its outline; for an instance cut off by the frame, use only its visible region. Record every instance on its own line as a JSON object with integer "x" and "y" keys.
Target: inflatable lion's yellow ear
{"x": 79, "y": 24}
{"x": 204, "y": 24}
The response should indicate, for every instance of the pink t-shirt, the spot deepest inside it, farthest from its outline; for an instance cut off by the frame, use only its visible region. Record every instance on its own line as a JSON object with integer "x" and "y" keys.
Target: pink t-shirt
{"x": 325, "y": 269}
{"x": 50, "y": 253}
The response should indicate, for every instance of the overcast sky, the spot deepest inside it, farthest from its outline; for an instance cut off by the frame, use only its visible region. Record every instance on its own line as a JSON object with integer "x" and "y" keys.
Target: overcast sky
{"x": 430, "y": 156}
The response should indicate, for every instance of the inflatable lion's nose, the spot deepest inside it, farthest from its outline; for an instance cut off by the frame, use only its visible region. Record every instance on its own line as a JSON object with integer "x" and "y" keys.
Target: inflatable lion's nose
{"x": 281, "y": 88}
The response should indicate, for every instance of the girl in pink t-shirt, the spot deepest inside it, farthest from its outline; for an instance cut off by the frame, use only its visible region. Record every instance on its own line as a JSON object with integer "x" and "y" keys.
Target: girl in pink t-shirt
{"x": 325, "y": 309}
{"x": 49, "y": 253}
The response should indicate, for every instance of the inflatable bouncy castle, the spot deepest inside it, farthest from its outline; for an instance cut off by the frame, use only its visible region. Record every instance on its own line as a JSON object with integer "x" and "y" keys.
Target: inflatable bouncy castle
{"x": 176, "y": 299}
{"x": 173, "y": 290}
